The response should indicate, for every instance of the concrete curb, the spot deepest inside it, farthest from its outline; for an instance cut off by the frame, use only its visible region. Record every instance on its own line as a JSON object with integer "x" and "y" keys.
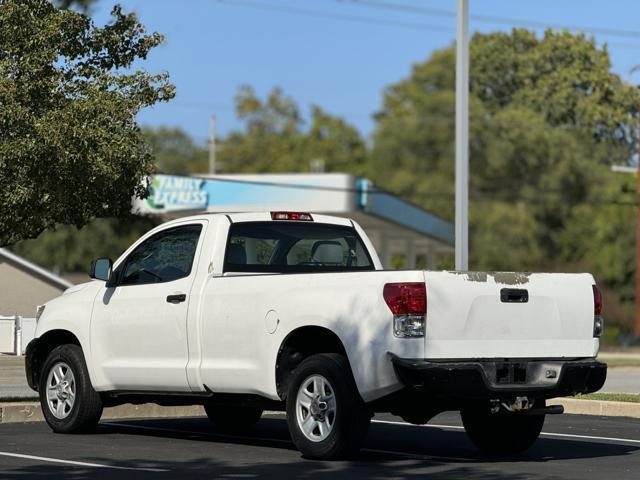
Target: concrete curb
{"x": 30, "y": 411}
{"x": 597, "y": 407}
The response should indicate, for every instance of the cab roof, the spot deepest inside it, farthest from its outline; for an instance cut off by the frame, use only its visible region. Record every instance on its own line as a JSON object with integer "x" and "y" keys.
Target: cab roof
{"x": 263, "y": 217}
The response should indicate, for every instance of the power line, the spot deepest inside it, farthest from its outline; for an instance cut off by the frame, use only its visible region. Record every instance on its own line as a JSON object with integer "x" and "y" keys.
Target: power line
{"x": 402, "y": 7}
{"x": 417, "y": 25}
{"x": 334, "y": 16}
{"x": 478, "y": 195}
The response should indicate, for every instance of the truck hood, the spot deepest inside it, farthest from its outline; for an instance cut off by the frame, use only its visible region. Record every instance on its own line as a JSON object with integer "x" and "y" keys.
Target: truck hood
{"x": 79, "y": 287}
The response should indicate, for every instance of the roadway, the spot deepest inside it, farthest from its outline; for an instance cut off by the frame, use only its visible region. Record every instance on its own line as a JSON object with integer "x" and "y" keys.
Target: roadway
{"x": 622, "y": 380}
{"x": 572, "y": 447}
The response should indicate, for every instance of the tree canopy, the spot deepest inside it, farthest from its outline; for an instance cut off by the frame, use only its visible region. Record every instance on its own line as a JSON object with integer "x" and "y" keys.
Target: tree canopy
{"x": 548, "y": 118}
{"x": 70, "y": 148}
{"x": 175, "y": 152}
{"x": 276, "y": 140}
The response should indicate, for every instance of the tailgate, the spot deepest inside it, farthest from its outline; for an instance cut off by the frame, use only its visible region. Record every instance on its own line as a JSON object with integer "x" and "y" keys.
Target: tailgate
{"x": 485, "y": 315}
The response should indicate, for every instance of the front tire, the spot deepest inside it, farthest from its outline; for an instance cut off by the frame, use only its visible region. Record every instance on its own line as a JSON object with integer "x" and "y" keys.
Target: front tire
{"x": 502, "y": 433}
{"x": 68, "y": 401}
{"x": 327, "y": 418}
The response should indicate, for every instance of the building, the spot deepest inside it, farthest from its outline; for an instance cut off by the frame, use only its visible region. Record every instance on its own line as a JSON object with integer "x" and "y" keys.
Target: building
{"x": 25, "y": 285}
{"x": 395, "y": 226}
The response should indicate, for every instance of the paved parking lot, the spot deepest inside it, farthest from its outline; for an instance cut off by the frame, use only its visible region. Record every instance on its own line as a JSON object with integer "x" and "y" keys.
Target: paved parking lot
{"x": 573, "y": 447}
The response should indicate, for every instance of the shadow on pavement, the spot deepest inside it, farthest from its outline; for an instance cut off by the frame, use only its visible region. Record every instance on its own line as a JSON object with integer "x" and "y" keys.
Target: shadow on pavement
{"x": 392, "y": 451}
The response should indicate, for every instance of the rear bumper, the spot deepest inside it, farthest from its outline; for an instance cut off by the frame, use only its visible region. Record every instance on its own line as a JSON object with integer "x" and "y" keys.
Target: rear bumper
{"x": 501, "y": 378}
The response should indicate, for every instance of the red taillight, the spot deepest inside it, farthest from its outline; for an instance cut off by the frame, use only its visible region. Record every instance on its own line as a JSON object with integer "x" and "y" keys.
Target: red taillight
{"x": 406, "y": 298}
{"x": 297, "y": 216}
{"x": 597, "y": 301}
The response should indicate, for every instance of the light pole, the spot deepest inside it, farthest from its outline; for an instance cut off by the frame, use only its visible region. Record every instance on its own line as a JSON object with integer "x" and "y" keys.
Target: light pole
{"x": 212, "y": 145}
{"x": 462, "y": 136}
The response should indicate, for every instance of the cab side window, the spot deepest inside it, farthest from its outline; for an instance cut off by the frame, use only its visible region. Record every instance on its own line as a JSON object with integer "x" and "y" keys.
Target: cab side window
{"x": 164, "y": 257}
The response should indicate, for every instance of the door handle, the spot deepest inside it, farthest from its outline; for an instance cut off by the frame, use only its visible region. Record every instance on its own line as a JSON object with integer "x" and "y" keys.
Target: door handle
{"x": 514, "y": 295}
{"x": 179, "y": 298}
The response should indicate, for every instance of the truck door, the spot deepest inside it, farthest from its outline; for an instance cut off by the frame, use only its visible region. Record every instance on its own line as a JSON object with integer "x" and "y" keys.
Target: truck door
{"x": 139, "y": 321}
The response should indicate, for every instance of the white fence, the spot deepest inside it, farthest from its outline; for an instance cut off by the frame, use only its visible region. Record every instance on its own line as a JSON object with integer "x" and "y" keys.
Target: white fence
{"x": 15, "y": 333}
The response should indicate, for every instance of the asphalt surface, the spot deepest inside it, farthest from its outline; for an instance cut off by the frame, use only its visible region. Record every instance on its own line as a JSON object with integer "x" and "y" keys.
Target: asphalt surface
{"x": 622, "y": 380}
{"x": 574, "y": 447}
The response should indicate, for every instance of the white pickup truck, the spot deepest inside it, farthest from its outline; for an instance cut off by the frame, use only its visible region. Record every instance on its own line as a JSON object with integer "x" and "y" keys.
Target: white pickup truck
{"x": 293, "y": 311}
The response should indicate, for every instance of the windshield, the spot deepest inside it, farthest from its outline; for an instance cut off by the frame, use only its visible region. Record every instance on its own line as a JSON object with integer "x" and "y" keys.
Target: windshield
{"x": 292, "y": 247}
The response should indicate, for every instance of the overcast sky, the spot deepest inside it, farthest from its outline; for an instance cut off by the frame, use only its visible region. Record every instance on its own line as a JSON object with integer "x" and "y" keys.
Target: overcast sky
{"x": 337, "y": 54}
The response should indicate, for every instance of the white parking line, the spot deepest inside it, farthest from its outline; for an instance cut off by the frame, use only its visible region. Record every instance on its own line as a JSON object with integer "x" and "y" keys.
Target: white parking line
{"x": 589, "y": 437}
{"x": 79, "y": 464}
{"x": 546, "y": 434}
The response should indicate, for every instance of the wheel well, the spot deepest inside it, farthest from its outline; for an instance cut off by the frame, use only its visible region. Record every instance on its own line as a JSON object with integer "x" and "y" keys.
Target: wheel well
{"x": 45, "y": 344}
{"x": 300, "y": 344}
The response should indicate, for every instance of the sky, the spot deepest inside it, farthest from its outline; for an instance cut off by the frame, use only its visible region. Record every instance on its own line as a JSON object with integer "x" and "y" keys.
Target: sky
{"x": 338, "y": 54}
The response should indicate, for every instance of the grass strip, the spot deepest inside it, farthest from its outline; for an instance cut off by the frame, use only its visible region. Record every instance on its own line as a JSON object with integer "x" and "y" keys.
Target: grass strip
{"x": 18, "y": 399}
{"x": 616, "y": 362}
{"x": 611, "y": 397}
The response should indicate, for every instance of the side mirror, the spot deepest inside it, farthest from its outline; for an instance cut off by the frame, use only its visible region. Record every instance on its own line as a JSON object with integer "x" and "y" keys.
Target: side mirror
{"x": 101, "y": 269}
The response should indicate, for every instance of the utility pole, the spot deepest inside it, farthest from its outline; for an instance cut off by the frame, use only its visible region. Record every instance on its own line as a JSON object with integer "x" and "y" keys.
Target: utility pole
{"x": 212, "y": 145}
{"x": 462, "y": 136}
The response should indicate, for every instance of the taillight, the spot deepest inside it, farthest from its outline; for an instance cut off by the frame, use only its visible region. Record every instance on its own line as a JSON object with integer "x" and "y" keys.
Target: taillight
{"x": 296, "y": 216}
{"x": 598, "y": 321}
{"x": 597, "y": 301}
{"x": 408, "y": 303}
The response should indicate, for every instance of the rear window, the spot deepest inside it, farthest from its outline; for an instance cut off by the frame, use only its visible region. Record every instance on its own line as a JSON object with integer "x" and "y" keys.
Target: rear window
{"x": 291, "y": 247}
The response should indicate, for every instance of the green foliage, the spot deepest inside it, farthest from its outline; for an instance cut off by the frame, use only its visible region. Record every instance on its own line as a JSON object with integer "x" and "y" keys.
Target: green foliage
{"x": 70, "y": 149}
{"x": 275, "y": 141}
{"x": 611, "y": 397}
{"x": 68, "y": 249}
{"x": 175, "y": 152}
{"x": 547, "y": 120}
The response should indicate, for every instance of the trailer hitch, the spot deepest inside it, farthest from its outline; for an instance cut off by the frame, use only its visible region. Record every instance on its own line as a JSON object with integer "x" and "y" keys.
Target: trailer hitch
{"x": 523, "y": 406}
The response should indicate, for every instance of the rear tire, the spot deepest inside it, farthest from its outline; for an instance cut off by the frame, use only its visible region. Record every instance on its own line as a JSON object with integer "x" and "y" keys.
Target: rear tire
{"x": 68, "y": 401}
{"x": 502, "y": 433}
{"x": 232, "y": 418}
{"x": 327, "y": 418}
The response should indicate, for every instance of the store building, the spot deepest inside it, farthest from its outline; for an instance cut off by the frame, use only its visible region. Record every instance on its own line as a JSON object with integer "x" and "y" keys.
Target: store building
{"x": 395, "y": 226}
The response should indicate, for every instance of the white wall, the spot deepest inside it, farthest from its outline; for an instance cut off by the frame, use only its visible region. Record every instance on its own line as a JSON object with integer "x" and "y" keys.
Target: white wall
{"x": 10, "y": 330}
{"x": 7, "y": 334}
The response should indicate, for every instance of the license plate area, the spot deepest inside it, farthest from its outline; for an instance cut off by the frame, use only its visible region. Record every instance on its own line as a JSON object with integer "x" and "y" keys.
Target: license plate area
{"x": 511, "y": 373}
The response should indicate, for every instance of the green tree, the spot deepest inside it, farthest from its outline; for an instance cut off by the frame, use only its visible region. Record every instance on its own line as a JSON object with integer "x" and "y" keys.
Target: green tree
{"x": 68, "y": 249}
{"x": 175, "y": 152}
{"x": 70, "y": 149}
{"x": 275, "y": 140}
{"x": 547, "y": 120}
